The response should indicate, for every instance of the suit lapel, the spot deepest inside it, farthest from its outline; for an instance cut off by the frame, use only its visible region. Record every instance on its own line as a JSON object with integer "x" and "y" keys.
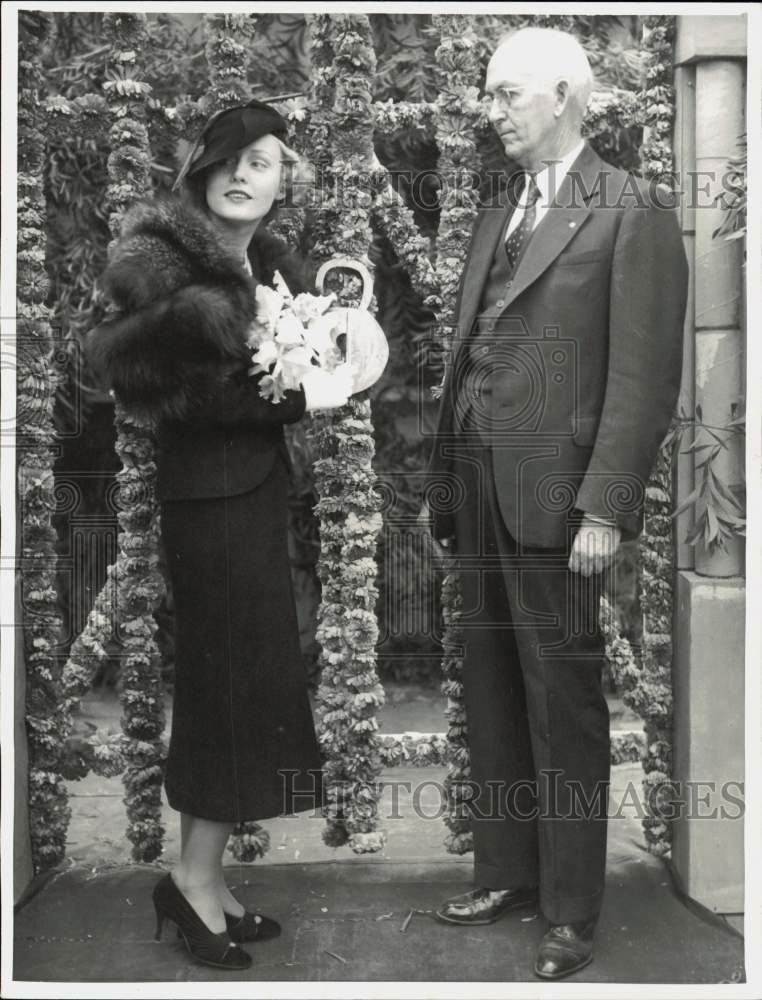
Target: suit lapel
{"x": 478, "y": 266}
{"x": 479, "y": 262}
{"x": 558, "y": 227}
{"x": 561, "y": 223}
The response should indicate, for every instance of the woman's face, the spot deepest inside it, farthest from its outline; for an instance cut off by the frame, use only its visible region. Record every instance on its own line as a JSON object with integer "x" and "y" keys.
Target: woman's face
{"x": 242, "y": 189}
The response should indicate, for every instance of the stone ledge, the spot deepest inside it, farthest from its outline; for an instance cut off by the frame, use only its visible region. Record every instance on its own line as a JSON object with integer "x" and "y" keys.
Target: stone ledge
{"x": 721, "y": 36}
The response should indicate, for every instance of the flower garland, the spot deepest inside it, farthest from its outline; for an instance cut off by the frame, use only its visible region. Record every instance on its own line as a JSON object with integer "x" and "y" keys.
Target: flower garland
{"x": 625, "y": 746}
{"x": 652, "y": 696}
{"x": 393, "y": 116}
{"x": 140, "y": 585}
{"x": 658, "y": 98}
{"x": 47, "y": 722}
{"x": 226, "y": 56}
{"x": 460, "y": 838}
{"x": 611, "y": 109}
{"x": 100, "y": 752}
{"x": 349, "y": 694}
{"x": 433, "y": 750}
{"x": 393, "y": 216}
{"x": 458, "y": 117}
{"x": 289, "y": 224}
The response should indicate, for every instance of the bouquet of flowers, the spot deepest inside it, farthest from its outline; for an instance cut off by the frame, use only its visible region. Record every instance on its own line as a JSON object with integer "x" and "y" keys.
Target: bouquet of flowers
{"x": 290, "y": 335}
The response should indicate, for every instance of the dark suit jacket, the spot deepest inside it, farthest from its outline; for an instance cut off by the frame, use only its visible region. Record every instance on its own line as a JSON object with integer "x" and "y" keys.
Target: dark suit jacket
{"x": 585, "y": 361}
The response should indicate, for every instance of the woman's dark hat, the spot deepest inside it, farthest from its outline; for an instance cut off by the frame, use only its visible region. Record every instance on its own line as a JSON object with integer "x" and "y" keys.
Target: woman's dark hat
{"x": 229, "y": 131}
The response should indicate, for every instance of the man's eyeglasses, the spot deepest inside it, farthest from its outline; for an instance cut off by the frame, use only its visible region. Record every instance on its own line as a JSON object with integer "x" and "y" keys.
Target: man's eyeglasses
{"x": 505, "y": 96}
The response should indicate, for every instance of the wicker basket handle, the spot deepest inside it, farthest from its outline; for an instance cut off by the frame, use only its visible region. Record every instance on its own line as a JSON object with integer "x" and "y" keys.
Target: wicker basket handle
{"x": 352, "y": 265}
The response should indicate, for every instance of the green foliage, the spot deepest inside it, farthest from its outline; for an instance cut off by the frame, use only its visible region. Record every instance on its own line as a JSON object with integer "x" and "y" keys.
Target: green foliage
{"x": 718, "y": 509}
{"x": 733, "y": 199}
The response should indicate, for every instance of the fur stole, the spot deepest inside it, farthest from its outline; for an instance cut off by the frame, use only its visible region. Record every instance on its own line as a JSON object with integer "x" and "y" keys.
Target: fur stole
{"x": 181, "y": 308}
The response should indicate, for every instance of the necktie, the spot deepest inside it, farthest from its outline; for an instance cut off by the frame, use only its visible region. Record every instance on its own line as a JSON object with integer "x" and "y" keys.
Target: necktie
{"x": 514, "y": 245}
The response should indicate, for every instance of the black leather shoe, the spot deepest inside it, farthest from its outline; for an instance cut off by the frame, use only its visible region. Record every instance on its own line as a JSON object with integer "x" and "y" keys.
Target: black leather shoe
{"x": 566, "y": 948}
{"x": 251, "y": 927}
{"x": 217, "y": 950}
{"x": 484, "y": 906}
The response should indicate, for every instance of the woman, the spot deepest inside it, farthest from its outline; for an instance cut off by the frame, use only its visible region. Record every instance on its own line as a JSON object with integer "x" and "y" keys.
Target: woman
{"x": 183, "y": 277}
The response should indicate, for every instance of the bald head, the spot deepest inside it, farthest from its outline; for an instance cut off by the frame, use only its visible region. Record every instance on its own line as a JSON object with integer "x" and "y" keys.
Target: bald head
{"x": 540, "y": 82}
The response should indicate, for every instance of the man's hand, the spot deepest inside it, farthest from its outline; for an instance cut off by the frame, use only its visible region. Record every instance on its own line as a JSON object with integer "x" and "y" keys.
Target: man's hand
{"x": 443, "y": 547}
{"x": 594, "y": 547}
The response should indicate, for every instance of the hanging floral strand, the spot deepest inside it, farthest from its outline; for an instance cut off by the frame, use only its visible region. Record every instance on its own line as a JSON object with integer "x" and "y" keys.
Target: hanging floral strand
{"x": 349, "y": 693}
{"x": 226, "y": 56}
{"x": 653, "y": 692}
{"x": 396, "y": 220}
{"x": 289, "y": 223}
{"x": 393, "y": 217}
{"x": 140, "y": 585}
{"x": 458, "y": 117}
{"x": 46, "y": 718}
{"x": 101, "y": 751}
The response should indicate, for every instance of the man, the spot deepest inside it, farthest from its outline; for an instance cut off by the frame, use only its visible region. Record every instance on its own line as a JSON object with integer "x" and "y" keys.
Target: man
{"x": 564, "y": 376}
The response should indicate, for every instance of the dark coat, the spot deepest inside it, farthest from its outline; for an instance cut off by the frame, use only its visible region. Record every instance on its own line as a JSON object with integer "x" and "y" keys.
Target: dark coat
{"x": 174, "y": 348}
{"x": 588, "y": 347}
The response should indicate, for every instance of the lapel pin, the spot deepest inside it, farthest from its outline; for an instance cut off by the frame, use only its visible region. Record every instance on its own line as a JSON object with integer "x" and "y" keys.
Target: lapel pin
{"x": 572, "y": 225}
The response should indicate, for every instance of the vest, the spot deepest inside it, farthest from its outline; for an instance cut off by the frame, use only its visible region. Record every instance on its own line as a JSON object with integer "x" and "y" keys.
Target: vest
{"x": 476, "y": 358}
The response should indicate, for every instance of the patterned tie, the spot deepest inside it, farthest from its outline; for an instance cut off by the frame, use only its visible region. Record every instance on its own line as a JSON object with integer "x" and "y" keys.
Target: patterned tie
{"x": 516, "y": 242}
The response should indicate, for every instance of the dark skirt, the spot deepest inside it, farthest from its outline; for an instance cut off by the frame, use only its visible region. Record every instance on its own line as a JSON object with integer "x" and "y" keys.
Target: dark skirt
{"x": 243, "y": 744}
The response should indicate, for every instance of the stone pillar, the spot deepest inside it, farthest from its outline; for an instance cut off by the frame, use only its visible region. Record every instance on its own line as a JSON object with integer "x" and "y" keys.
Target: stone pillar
{"x": 708, "y": 665}
{"x": 685, "y": 158}
{"x": 720, "y": 100}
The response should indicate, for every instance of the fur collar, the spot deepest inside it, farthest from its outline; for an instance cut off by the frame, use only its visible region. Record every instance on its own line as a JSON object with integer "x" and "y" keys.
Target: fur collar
{"x": 182, "y": 305}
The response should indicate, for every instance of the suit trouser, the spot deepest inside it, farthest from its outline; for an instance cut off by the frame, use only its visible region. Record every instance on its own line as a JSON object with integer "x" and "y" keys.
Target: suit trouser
{"x": 538, "y": 723}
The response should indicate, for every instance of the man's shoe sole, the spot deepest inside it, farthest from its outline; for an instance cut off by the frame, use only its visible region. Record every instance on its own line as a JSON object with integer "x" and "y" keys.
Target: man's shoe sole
{"x": 476, "y": 923}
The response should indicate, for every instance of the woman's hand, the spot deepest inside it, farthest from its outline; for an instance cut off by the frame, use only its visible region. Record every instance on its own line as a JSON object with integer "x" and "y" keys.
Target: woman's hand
{"x": 327, "y": 390}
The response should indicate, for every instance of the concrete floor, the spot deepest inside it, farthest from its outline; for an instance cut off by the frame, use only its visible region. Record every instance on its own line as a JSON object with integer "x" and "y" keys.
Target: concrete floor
{"x": 347, "y": 917}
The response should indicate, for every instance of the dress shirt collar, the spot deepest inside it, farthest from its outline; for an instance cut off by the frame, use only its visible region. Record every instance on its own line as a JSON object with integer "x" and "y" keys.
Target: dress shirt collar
{"x": 549, "y": 179}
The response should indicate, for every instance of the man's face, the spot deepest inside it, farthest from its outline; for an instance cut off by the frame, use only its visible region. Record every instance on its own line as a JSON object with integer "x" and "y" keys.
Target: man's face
{"x": 522, "y": 108}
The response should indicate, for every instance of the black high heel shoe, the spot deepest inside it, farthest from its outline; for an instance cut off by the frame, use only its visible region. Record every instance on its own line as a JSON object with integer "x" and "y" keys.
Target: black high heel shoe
{"x": 217, "y": 950}
{"x": 249, "y": 928}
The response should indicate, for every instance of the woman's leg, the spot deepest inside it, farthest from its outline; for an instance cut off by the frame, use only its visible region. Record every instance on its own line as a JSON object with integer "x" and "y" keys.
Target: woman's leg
{"x": 200, "y": 870}
{"x": 227, "y": 900}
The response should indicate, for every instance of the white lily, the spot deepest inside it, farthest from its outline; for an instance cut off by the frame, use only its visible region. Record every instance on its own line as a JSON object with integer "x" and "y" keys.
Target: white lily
{"x": 310, "y": 307}
{"x": 289, "y": 330}
{"x": 299, "y": 358}
{"x": 269, "y": 305}
{"x": 266, "y": 354}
